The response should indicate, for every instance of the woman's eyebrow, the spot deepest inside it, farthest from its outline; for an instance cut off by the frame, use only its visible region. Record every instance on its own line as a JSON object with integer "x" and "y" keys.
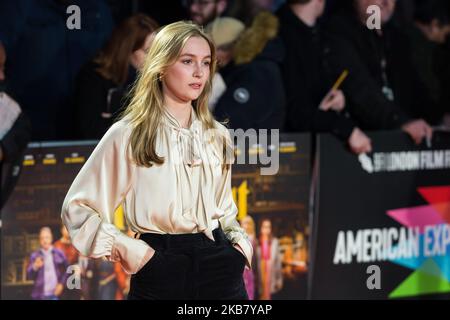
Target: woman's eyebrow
{"x": 194, "y": 56}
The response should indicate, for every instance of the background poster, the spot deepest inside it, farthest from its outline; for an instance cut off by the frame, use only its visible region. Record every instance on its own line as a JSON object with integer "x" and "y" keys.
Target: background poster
{"x": 48, "y": 170}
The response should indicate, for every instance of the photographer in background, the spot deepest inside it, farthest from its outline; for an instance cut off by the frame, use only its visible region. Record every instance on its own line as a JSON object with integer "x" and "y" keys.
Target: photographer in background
{"x": 383, "y": 90}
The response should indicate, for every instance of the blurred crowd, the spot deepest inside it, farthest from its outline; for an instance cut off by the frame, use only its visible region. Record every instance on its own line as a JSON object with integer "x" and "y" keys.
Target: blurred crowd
{"x": 279, "y": 62}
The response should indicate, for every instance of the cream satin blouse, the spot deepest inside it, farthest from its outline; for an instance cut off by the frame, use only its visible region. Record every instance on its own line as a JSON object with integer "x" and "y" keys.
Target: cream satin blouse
{"x": 188, "y": 193}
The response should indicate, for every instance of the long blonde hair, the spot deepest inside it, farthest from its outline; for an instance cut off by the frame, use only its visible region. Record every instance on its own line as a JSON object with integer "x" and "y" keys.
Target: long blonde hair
{"x": 145, "y": 110}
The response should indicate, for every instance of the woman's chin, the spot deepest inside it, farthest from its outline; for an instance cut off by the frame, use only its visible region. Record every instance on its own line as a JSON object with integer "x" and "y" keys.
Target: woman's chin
{"x": 189, "y": 96}
{"x": 194, "y": 97}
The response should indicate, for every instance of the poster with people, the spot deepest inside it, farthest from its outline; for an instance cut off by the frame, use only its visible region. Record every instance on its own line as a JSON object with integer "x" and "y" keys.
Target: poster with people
{"x": 40, "y": 262}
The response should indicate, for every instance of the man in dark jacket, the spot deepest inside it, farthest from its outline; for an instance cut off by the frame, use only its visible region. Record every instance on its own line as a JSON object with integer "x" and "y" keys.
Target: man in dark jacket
{"x": 45, "y": 56}
{"x": 15, "y": 133}
{"x": 311, "y": 106}
{"x": 383, "y": 89}
{"x": 428, "y": 35}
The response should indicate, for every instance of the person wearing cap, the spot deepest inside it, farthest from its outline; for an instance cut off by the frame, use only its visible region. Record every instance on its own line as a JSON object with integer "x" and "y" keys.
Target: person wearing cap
{"x": 255, "y": 95}
{"x": 224, "y": 32}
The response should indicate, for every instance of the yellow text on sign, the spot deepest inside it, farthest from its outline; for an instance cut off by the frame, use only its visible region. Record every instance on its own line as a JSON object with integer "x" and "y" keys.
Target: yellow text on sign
{"x": 240, "y": 195}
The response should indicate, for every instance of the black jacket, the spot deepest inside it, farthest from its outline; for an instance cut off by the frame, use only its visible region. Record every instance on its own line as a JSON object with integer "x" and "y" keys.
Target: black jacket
{"x": 255, "y": 95}
{"x": 362, "y": 51}
{"x": 308, "y": 78}
{"x": 13, "y": 144}
{"x": 97, "y": 102}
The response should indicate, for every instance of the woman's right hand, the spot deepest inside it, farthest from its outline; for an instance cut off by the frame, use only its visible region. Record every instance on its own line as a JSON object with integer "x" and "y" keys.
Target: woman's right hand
{"x": 148, "y": 256}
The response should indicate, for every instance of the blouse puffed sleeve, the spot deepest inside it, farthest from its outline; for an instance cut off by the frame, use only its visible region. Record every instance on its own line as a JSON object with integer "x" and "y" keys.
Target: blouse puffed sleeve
{"x": 226, "y": 207}
{"x": 97, "y": 191}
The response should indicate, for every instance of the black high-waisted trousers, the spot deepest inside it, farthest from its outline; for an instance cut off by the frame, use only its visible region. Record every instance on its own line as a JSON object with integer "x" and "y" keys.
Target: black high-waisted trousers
{"x": 190, "y": 267}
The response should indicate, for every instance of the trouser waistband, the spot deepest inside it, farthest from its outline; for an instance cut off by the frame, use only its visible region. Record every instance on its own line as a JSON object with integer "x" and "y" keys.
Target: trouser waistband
{"x": 166, "y": 241}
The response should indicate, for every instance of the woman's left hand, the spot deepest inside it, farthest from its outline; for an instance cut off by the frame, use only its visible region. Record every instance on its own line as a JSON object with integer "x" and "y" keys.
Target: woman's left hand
{"x": 237, "y": 247}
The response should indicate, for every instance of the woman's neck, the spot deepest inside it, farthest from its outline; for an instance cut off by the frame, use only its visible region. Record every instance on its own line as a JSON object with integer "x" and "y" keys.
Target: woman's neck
{"x": 181, "y": 112}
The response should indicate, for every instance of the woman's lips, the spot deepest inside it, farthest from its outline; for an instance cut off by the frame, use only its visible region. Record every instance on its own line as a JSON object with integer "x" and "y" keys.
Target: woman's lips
{"x": 196, "y": 86}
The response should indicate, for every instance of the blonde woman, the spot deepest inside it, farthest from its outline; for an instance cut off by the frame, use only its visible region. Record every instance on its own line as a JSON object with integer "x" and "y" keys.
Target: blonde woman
{"x": 169, "y": 163}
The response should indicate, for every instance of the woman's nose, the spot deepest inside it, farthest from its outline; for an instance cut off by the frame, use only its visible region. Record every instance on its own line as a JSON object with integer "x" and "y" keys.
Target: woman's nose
{"x": 198, "y": 72}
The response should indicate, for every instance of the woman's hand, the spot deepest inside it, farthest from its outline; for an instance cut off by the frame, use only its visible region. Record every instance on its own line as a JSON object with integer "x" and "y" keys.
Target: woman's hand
{"x": 238, "y": 247}
{"x": 148, "y": 256}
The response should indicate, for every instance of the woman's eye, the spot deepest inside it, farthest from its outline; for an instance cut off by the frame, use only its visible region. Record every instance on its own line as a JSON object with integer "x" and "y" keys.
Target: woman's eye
{"x": 207, "y": 63}
{"x": 188, "y": 61}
